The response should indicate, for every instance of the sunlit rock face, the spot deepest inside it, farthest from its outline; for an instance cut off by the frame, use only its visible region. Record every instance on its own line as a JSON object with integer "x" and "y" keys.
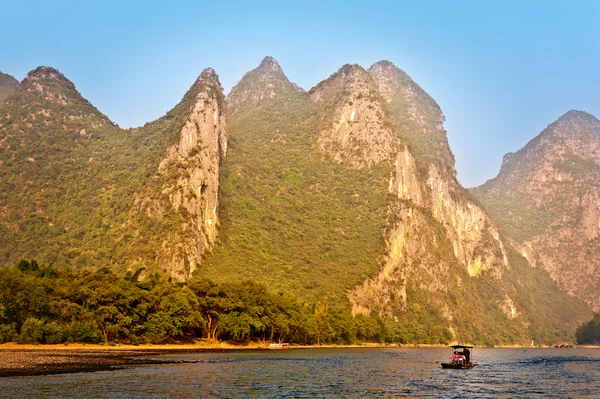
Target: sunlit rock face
{"x": 403, "y": 126}
{"x": 356, "y": 128}
{"x": 190, "y": 172}
{"x": 546, "y": 198}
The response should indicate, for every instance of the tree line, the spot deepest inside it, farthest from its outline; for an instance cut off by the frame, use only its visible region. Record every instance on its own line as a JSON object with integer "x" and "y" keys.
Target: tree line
{"x": 589, "y": 332}
{"x": 48, "y": 305}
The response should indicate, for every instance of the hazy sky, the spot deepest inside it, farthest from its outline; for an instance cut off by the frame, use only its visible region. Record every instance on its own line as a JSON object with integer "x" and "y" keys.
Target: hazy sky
{"x": 501, "y": 71}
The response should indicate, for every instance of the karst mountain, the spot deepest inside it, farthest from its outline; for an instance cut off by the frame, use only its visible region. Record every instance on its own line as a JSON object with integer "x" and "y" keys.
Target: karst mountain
{"x": 345, "y": 194}
{"x": 546, "y": 199}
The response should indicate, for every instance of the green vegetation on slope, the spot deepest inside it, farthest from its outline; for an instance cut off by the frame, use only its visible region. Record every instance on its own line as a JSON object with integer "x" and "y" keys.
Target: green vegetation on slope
{"x": 8, "y": 85}
{"x": 438, "y": 286}
{"x": 68, "y": 177}
{"x": 291, "y": 217}
{"x": 418, "y": 119}
{"x": 43, "y": 304}
{"x": 589, "y": 332}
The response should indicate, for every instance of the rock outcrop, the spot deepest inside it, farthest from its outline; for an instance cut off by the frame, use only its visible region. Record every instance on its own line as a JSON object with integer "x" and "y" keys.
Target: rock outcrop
{"x": 546, "y": 198}
{"x": 357, "y": 128}
{"x": 382, "y": 116}
{"x": 190, "y": 181}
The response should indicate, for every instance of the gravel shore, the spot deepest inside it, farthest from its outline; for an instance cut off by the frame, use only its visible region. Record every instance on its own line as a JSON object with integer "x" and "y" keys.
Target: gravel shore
{"x": 27, "y": 362}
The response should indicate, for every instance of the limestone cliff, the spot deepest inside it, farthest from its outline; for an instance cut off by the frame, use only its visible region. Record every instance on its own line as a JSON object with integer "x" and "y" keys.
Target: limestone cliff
{"x": 357, "y": 128}
{"x": 546, "y": 198}
{"x": 382, "y": 116}
{"x": 188, "y": 179}
{"x": 419, "y": 119}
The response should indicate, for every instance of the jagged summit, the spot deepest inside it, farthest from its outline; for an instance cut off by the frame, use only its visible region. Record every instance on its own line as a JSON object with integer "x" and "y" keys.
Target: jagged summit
{"x": 574, "y": 113}
{"x": 348, "y": 74}
{"x": 206, "y": 85}
{"x": 420, "y": 119}
{"x": 49, "y": 77}
{"x": 572, "y": 125}
{"x": 267, "y": 81}
{"x": 357, "y": 128}
{"x": 48, "y": 85}
{"x": 210, "y": 76}
{"x": 270, "y": 63}
{"x": 46, "y": 90}
{"x": 573, "y": 132}
{"x": 45, "y": 72}
{"x": 577, "y": 119}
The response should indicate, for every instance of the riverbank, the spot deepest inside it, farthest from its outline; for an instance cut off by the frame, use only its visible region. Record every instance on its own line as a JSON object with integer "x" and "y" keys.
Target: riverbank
{"x": 42, "y": 361}
{"x": 29, "y": 360}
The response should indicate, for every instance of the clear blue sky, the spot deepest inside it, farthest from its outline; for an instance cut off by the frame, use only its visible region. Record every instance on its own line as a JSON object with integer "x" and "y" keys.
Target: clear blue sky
{"x": 501, "y": 71}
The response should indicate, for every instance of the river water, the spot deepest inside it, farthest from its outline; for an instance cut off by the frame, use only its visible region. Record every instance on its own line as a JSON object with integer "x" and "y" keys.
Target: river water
{"x": 332, "y": 373}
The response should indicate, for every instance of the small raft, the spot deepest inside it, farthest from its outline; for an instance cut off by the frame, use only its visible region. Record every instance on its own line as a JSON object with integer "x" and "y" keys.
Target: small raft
{"x": 465, "y": 354}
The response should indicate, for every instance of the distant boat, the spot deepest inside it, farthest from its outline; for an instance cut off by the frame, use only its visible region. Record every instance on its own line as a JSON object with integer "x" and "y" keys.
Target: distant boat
{"x": 464, "y": 358}
{"x": 283, "y": 345}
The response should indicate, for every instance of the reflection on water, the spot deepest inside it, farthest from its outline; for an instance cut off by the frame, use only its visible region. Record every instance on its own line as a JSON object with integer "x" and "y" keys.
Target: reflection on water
{"x": 333, "y": 373}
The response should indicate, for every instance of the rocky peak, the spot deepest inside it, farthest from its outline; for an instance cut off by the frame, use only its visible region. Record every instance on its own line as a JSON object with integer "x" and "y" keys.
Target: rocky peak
{"x": 419, "y": 118}
{"x": 49, "y": 77}
{"x": 391, "y": 80}
{"x": 209, "y": 76}
{"x": 573, "y": 123}
{"x": 270, "y": 63}
{"x": 49, "y": 94}
{"x": 45, "y": 72}
{"x": 348, "y": 79}
{"x": 575, "y": 115}
{"x": 263, "y": 83}
{"x": 356, "y": 126}
{"x": 190, "y": 174}
{"x": 47, "y": 84}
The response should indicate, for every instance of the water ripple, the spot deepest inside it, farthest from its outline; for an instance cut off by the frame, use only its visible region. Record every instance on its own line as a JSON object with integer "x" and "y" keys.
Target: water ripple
{"x": 333, "y": 373}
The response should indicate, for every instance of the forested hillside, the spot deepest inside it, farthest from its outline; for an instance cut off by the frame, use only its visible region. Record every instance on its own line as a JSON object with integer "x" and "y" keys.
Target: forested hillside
{"x": 336, "y": 211}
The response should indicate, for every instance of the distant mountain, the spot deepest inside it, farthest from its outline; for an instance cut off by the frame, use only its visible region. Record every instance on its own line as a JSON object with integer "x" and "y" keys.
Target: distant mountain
{"x": 547, "y": 199}
{"x": 8, "y": 85}
{"x": 345, "y": 196}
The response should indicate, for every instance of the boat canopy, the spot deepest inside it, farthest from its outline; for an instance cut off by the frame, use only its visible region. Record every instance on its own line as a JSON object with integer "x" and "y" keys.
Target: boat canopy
{"x": 461, "y": 346}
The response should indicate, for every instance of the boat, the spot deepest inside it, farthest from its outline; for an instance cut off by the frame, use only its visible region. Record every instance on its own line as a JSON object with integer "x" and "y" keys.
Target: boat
{"x": 465, "y": 352}
{"x": 282, "y": 345}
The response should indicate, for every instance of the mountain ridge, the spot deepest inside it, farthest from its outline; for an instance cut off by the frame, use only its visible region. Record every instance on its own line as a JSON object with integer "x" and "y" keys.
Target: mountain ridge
{"x": 326, "y": 194}
{"x": 545, "y": 199}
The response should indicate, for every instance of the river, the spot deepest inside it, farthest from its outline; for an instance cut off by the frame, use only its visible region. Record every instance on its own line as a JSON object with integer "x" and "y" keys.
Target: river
{"x": 332, "y": 373}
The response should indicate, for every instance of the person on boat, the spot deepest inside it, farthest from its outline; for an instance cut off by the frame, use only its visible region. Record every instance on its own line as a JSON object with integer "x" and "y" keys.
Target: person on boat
{"x": 456, "y": 358}
{"x": 463, "y": 358}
